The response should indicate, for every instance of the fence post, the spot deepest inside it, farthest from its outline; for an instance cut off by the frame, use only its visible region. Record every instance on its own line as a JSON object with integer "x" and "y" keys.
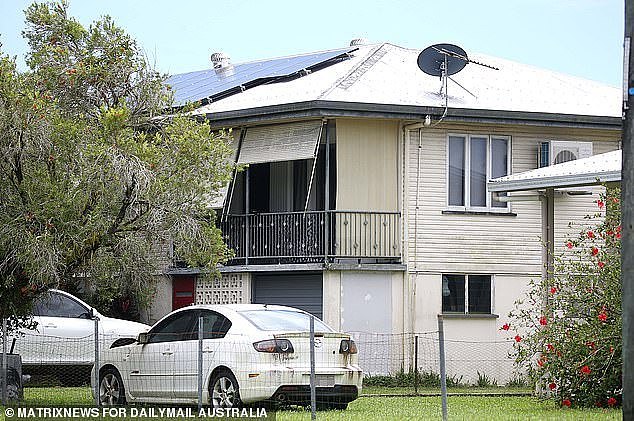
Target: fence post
{"x": 4, "y": 361}
{"x": 416, "y": 364}
{"x": 200, "y": 363}
{"x": 313, "y": 396}
{"x": 97, "y": 365}
{"x": 443, "y": 371}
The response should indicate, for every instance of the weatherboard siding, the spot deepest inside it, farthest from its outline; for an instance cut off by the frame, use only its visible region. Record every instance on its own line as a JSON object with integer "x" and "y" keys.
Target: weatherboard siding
{"x": 367, "y": 170}
{"x": 496, "y": 244}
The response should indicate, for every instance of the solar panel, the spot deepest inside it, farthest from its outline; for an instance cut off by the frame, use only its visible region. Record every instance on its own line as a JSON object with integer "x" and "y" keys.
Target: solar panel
{"x": 214, "y": 84}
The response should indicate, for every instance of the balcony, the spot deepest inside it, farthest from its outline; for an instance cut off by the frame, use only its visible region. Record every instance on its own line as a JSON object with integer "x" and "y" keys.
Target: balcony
{"x": 313, "y": 237}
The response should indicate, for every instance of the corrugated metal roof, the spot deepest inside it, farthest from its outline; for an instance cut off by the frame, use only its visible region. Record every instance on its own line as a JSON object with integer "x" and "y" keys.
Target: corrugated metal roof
{"x": 212, "y": 84}
{"x": 596, "y": 169}
{"x": 388, "y": 74}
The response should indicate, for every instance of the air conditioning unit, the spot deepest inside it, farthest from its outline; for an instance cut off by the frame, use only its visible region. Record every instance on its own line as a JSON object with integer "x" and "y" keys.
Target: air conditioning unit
{"x": 556, "y": 152}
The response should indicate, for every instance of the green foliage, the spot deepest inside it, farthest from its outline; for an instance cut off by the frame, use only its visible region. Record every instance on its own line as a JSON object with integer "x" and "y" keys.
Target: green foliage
{"x": 95, "y": 181}
{"x": 485, "y": 381}
{"x": 407, "y": 379}
{"x": 517, "y": 381}
{"x": 569, "y": 328}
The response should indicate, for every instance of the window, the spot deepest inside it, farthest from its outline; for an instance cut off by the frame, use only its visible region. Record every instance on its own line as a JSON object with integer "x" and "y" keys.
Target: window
{"x": 215, "y": 326}
{"x": 177, "y": 327}
{"x": 474, "y": 159}
{"x": 283, "y": 320}
{"x": 470, "y": 292}
{"x": 58, "y": 305}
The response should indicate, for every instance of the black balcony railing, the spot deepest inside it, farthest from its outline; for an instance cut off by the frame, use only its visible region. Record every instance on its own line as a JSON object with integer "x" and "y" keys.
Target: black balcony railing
{"x": 312, "y": 237}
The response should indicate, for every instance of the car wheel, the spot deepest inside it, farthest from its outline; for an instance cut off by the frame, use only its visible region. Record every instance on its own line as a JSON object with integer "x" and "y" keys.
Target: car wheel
{"x": 13, "y": 392}
{"x": 224, "y": 391}
{"x": 111, "y": 390}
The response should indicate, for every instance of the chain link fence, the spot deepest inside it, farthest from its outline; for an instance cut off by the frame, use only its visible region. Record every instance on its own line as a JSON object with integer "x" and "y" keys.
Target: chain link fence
{"x": 217, "y": 368}
{"x": 410, "y": 364}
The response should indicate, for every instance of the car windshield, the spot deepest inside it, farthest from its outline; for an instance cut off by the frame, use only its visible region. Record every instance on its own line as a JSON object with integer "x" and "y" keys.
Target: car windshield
{"x": 283, "y": 320}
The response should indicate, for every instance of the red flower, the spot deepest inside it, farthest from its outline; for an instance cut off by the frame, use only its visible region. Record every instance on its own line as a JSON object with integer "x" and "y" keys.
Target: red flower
{"x": 540, "y": 362}
{"x": 618, "y": 235}
{"x": 569, "y": 244}
{"x": 552, "y": 386}
{"x": 553, "y": 290}
{"x": 566, "y": 402}
{"x": 611, "y": 350}
{"x": 591, "y": 345}
{"x": 506, "y": 326}
{"x": 600, "y": 204}
{"x": 549, "y": 347}
{"x": 585, "y": 370}
{"x": 590, "y": 234}
{"x": 615, "y": 200}
{"x": 543, "y": 321}
{"x": 594, "y": 251}
{"x": 518, "y": 338}
{"x": 603, "y": 316}
{"x": 601, "y": 264}
{"x": 610, "y": 233}
{"x": 611, "y": 402}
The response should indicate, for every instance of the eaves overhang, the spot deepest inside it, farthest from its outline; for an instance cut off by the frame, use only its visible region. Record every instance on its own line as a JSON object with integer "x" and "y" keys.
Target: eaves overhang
{"x": 321, "y": 108}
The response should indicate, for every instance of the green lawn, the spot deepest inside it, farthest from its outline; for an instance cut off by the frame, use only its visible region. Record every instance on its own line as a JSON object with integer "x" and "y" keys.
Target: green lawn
{"x": 460, "y": 408}
{"x": 389, "y": 408}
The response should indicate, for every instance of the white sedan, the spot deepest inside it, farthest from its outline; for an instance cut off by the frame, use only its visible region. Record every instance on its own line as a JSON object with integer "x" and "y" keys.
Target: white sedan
{"x": 250, "y": 353}
{"x": 64, "y": 335}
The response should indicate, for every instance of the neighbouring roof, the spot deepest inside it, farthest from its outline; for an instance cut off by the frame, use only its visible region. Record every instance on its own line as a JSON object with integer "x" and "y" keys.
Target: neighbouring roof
{"x": 596, "y": 169}
{"x": 388, "y": 74}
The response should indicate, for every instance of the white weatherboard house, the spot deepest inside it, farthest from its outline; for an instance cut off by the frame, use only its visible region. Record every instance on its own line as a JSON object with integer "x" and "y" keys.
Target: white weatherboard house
{"x": 363, "y": 205}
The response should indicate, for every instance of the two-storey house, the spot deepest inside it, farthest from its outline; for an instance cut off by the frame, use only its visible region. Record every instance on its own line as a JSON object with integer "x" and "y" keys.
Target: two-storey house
{"x": 363, "y": 199}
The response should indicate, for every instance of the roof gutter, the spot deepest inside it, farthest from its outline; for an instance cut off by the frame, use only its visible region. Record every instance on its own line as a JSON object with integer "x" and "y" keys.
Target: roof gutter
{"x": 415, "y": 114}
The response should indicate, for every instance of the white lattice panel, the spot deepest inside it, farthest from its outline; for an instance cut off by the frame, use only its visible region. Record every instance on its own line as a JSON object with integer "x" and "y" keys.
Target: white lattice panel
{"x": 230, "y": 288}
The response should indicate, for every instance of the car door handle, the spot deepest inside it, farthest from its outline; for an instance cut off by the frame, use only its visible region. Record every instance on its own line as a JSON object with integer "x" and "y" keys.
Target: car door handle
{"x": 50, "y": 325}
{"x": 168, "y": 352}
{"x": 208, "y": 351}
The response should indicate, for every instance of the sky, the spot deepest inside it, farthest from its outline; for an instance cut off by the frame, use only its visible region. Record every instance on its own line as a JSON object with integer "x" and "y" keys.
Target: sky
{"x": 577, "y": 37}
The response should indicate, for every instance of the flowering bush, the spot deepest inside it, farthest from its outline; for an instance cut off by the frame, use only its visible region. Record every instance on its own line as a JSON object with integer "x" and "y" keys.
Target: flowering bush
{"x": 567, "y": 330}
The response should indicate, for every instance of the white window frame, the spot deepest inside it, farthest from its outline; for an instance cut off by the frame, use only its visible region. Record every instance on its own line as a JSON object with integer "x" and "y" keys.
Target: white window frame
{"x": 467, "y": 172}
{"x": 466, "y": 292}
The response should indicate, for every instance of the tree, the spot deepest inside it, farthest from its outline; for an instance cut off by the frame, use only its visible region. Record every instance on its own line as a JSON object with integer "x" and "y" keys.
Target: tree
{"x": 568, "y": 329}
{"x": 97, "y": 168}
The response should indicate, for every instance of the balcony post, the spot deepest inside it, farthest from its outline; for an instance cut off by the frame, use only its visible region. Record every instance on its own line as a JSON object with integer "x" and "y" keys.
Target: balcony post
{"x": 247, "y": 210}
{"x": 327, "y": 197}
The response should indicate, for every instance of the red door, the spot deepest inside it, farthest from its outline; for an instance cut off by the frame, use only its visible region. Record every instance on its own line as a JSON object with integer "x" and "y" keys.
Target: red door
{"x": 182, "y": 291}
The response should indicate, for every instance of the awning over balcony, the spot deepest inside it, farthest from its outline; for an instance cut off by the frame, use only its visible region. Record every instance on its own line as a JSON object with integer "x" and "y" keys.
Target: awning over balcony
{"x": 280, "y": 142}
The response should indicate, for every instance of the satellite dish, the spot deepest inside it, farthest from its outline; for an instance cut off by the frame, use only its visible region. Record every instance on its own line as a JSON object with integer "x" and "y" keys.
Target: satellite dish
{"x": 442, "y": 60}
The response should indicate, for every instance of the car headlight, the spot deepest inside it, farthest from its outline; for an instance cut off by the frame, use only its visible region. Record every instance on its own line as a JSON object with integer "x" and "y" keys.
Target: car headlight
{"x": 280, "y": 346}
{"x": 347, "y": 346}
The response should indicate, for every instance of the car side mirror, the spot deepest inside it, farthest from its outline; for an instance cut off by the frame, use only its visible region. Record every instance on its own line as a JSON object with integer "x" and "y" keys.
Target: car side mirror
{"x": 143, "y": 338}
